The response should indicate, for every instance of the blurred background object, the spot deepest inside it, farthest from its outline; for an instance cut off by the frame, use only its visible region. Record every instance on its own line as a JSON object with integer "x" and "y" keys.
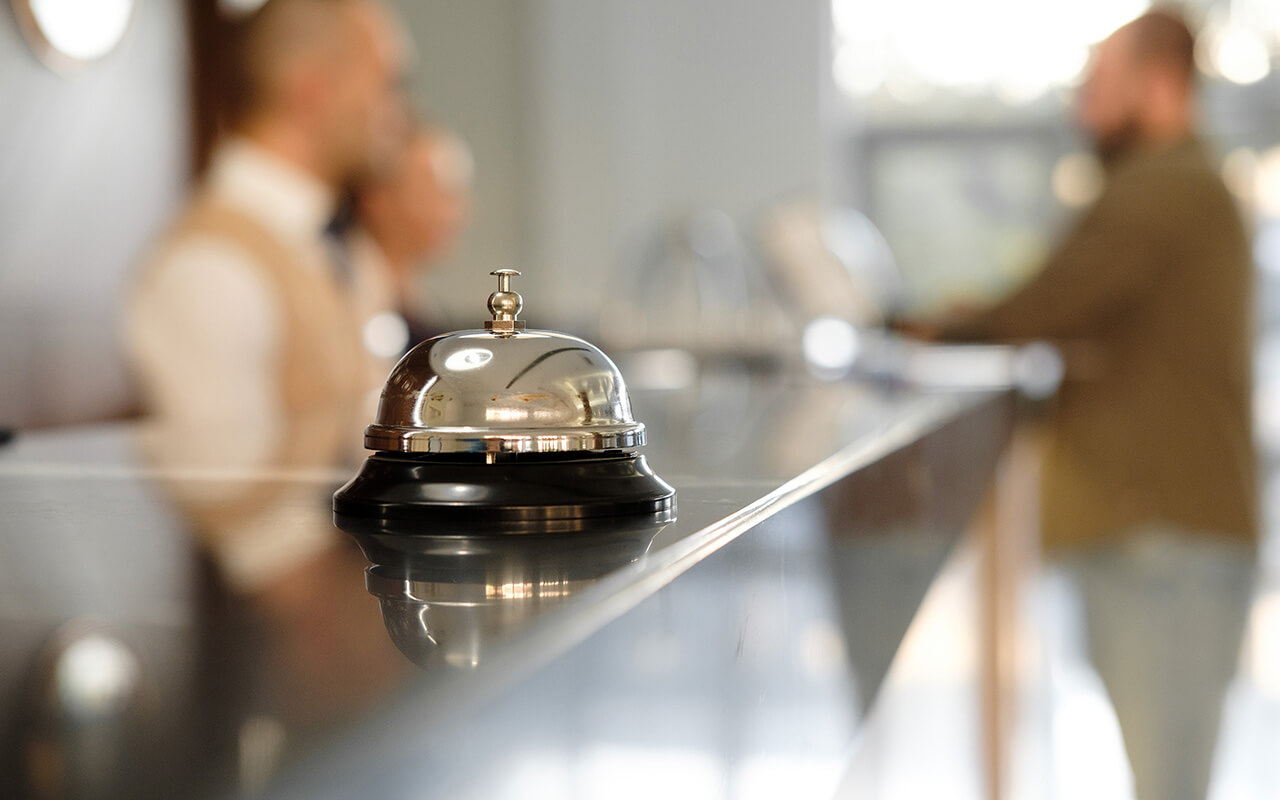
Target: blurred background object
{"x": 409, "y": 220}
{"x": 66, "y": 35}
{"x": 87, "y": 716}
{"x": 831, "y": 262}
{"x": 696, "y": 285}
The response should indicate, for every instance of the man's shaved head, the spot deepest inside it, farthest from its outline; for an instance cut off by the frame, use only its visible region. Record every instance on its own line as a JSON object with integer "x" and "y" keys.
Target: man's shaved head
{"x": 1141, "y": 85}
{"x": 1162, "y": 39}
{"x": 277, "y": 39}
{"x": 322, "y": 79}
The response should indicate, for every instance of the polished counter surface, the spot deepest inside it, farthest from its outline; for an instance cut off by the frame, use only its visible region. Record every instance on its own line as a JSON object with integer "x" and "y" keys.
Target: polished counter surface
{"x": 752, "y": 630}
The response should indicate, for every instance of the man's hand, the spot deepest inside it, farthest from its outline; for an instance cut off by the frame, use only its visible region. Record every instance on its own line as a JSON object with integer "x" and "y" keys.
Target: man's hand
{"x": 930, "y": 328}
{"x": 914, "y": 328}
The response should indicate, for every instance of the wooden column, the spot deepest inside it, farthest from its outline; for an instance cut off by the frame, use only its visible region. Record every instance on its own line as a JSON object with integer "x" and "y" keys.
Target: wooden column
{"x": 1009, "y": 535}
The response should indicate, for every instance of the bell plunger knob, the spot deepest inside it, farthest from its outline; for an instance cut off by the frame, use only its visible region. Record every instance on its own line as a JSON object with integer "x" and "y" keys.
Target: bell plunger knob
{"x": 504, "y": 305}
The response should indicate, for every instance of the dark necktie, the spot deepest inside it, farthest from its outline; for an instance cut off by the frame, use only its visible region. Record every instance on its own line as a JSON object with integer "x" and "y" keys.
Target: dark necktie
{"x": 337, "y": 243}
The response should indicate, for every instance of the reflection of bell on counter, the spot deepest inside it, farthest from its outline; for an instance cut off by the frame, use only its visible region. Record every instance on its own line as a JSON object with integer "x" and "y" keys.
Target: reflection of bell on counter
{"x": 445, "y": 596}
{"x": 501, "y": 425}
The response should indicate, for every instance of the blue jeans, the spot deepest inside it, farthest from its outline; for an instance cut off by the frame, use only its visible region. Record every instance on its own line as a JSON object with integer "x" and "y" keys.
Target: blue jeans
{"x": 1165, "y": 611}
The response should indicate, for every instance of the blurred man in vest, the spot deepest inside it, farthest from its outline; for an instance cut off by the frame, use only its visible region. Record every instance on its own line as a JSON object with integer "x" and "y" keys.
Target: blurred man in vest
{"x": 246, "y": 327}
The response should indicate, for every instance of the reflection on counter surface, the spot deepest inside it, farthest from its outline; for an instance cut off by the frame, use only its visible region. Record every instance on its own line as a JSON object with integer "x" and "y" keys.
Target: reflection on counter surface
{"x": 444, "y": 595}
{"x": 290, "y": 682}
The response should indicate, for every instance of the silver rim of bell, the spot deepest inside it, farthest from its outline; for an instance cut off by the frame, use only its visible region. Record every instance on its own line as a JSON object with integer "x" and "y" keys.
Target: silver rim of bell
{"x": 470, "y": 440}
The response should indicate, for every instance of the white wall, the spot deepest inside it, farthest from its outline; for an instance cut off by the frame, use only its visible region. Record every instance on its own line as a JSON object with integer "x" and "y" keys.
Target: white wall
{"x": 91, "y": 165}
{"x": 469, "y": 77}
{"x": 595, "y": 120}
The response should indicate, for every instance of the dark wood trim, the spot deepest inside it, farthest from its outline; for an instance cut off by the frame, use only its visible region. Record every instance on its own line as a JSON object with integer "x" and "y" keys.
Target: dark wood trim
{"x": 210, "y": 35}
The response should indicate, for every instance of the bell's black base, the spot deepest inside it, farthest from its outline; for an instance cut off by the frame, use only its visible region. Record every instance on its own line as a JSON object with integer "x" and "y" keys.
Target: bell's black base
{"x": 399, "y": 493}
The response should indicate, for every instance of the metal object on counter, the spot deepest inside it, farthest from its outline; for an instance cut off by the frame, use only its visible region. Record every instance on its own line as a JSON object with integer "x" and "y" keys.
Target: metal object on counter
{"x": 504, "y": 390}
{"x": 504, "y": 423}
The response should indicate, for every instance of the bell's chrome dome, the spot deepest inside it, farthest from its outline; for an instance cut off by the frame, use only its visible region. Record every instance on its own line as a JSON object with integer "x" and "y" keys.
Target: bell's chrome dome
{"x": 504, "y": 390}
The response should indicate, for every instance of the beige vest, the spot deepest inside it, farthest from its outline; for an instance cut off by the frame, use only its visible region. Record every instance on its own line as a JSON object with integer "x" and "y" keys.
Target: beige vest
{"x": 326, "y": 375}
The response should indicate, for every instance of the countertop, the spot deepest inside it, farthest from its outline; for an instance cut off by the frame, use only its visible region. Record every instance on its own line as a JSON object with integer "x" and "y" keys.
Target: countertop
{"x": 753, "y": 629}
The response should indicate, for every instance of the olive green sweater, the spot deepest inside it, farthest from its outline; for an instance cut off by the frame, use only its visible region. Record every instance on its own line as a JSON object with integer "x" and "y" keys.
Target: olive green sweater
{"x": 1153, "y": 288}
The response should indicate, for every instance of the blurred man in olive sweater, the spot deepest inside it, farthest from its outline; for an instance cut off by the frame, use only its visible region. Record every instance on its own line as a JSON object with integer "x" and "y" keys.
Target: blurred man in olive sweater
{"x": 1149, "y": 488}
